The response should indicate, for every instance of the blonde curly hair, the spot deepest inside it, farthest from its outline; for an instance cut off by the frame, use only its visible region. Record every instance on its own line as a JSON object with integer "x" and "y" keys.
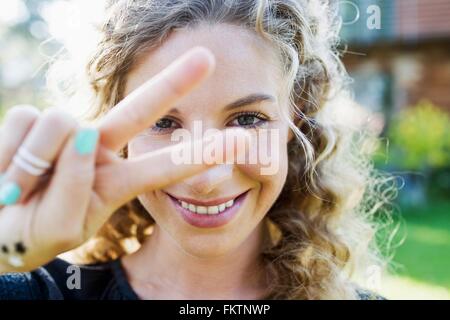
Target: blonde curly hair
{"x": 322, "y": 223}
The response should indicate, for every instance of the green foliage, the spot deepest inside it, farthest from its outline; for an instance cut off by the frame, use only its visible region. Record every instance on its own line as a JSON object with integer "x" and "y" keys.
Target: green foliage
{"x": 419, "y": 138}
{"x": 423, "y": 243}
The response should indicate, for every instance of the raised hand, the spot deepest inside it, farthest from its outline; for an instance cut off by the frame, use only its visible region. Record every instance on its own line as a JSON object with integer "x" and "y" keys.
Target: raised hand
{"x": 42, "y": 216}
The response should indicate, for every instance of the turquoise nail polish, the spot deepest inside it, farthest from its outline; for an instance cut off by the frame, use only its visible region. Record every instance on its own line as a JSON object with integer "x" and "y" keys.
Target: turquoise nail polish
{"x": 9, "y": 193}
{"x": 86, "y": 141}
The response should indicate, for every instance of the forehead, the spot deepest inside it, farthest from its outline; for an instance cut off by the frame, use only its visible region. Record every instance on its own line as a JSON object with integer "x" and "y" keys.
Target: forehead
{"x": 245, "y": 62}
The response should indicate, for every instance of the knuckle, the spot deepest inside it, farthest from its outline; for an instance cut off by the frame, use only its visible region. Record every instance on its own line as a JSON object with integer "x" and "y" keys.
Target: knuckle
{"x": 59, "y": 120}
{"x": 8, "y": 146}
{"x": 17, "y": 118}
{"x": 22, "y": 114}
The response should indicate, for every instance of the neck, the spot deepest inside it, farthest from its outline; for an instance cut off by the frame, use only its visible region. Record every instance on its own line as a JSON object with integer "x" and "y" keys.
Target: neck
{"x": 160, "y": 269}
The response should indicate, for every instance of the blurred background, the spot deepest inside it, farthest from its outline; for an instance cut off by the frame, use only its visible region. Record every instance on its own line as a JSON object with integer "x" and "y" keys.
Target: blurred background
{"x": 397, "y": 52}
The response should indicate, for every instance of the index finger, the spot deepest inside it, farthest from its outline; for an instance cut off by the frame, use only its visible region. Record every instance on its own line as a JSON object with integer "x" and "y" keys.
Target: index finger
{"x": 151, "y": 101}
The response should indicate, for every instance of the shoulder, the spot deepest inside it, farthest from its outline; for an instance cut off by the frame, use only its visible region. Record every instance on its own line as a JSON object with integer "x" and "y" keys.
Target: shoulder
{"x": 35, "y": 285}
{"x": 60, "y": 279}
{"x": 79, "y": 281}
{"x": 19, "y": 286}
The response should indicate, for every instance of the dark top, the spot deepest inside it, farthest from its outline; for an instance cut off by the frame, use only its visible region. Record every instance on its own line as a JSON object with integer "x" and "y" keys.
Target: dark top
{"x": 101, "y": 281}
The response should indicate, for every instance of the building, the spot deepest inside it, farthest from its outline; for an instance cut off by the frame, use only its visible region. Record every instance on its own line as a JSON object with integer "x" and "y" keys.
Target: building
{"x": 404, "y": 60}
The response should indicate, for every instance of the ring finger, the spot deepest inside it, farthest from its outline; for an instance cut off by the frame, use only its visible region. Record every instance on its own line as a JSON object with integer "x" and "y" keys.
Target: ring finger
{"x": 40, "y": 148}
{"x": 17, "y": 124}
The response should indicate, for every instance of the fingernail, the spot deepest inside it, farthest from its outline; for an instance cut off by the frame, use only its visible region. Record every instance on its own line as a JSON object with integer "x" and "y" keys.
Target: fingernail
{"x": 9, "y": 193}
{"x": 86, "y": 141}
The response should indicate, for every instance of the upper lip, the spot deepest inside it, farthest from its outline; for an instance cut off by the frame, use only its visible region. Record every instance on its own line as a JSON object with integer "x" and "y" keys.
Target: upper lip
{"x": 206, "y": 203}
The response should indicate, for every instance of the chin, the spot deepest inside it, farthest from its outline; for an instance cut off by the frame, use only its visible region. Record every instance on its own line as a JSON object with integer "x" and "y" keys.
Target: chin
{"x": 207, "y": 246}
{"x": 201, "y": 241}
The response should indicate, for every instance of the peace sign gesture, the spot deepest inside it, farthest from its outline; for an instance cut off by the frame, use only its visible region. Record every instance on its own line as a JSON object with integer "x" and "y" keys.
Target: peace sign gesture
{"x": 87, "y": 181}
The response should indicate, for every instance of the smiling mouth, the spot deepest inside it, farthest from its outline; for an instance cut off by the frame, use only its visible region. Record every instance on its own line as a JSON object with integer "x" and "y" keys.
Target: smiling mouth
{"x": 208, "y": 214}
{"x": 201, "y": 208}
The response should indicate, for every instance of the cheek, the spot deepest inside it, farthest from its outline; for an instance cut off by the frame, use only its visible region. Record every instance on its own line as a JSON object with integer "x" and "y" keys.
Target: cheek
{"x": 270, "y": 172}
{"x": 150, "y": 202}
{"x": 267, "y": 159}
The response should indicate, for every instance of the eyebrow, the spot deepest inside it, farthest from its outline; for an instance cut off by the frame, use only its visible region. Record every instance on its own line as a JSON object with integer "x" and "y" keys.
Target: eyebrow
{"x": 245, "y": 101}
{"x": 248, "y": 100}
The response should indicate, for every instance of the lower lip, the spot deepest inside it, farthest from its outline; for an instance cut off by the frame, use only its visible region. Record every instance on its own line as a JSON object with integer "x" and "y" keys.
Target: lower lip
{"x": 209, "y": 220}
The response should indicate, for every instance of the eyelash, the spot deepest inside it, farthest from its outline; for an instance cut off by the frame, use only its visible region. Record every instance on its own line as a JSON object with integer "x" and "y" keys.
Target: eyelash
{"x": 262, "y": 120}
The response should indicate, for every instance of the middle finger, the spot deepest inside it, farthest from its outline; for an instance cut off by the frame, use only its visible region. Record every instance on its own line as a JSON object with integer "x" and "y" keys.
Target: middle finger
{"x": 151, "y": 101}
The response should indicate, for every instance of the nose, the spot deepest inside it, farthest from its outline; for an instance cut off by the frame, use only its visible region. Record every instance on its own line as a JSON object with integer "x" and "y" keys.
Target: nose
{"x": 207, "y": 181}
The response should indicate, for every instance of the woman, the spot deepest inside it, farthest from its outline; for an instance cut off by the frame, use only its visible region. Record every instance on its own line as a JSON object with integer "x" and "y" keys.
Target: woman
{"x": 221, "y": 230}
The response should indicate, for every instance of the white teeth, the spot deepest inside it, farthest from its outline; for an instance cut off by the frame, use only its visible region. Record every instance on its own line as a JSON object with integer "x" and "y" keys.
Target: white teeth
{"x": 202, "y": 210}
{"x": 213, "y": 210}
{"x": 206, "y": 209}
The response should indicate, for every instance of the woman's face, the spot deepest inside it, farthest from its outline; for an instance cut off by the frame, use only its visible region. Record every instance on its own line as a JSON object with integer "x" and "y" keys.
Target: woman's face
{"x": 218, "y": 210}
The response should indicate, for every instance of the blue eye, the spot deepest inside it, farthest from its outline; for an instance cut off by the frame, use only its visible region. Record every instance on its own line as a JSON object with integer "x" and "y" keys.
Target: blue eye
{"x": 249, "y": 120}
{"x": 165, "y": 124}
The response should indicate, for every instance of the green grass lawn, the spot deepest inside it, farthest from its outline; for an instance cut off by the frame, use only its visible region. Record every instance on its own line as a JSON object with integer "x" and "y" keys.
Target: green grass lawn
{"x": 424, "y": 255}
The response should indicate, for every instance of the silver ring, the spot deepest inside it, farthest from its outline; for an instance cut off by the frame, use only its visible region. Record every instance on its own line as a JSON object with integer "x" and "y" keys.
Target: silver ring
{"x": 30, "y": 163}
{"x": 32, "y": 159}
